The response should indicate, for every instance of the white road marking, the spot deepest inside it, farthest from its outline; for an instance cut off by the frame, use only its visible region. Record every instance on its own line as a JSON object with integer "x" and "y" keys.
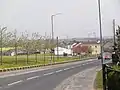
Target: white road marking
{"x": 48, "y": 73}
{"x": 58, "y": 71}
{"x": 87, "y": 63}
{"x": 32, "y": 77}
{"x": 15, "y": 83}
{"x": 91, "y": 62}
{"x": 66, "y": 68}
{"x": 83, "y": 64}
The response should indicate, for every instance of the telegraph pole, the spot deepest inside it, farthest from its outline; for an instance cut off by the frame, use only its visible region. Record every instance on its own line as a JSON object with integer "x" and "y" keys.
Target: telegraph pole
{"x": 114, "y": 31}
{"x": 101, "y": 45}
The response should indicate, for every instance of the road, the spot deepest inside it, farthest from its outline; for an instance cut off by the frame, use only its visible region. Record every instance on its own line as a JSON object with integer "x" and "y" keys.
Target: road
{"x": 45, "y": 79}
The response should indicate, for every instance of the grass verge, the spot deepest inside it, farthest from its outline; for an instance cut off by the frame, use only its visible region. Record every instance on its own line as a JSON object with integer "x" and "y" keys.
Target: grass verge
{"x": 10, "y": 61}
{"x": 98, "y": 81}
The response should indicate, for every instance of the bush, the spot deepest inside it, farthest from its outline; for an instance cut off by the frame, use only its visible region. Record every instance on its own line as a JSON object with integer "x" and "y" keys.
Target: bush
{"x": 113, "y": 80}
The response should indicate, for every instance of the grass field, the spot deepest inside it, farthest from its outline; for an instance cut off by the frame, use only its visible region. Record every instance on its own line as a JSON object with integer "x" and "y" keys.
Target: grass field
{"x": 9, "y": 48}
{"x": 10, "y": 61}
{"x": 98, "y": 81}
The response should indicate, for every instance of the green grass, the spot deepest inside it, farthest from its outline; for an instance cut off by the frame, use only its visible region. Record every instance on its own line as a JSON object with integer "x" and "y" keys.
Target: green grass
{"x": 10, "y": 61}
{"x": 8, "y": 48}
{"x": 98, "y": 81}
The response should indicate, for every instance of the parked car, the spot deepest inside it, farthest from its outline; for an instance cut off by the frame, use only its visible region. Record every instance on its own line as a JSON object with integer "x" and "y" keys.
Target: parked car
{"x": 99, "y": 57}
{"x": 106, "y": 56}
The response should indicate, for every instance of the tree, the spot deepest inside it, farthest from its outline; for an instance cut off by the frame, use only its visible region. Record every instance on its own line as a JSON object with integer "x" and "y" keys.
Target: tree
{"x": 25, "y": 43}
{"x": 15, "y": 44}
{"x": 4, "y": 39}
{"x": 118, "y": 38}
{"x": 36, "y": 43}
{"x": 116, "y": 55}
{"x": 2, "y": 31}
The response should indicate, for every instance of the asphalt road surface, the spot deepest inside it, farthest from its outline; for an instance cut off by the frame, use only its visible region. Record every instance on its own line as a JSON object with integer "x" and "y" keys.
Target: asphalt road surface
{"x": 45, "y": 79}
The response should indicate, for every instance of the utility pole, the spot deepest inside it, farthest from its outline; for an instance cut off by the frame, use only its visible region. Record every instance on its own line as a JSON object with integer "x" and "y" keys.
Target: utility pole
{"x": 101, "y": 45}
{"x": 114, "y": 32}
{"x": 52, "y": 28}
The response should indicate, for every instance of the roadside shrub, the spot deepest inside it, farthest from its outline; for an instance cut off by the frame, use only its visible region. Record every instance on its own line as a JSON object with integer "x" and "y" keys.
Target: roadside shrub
{"x": 113, "y": 80}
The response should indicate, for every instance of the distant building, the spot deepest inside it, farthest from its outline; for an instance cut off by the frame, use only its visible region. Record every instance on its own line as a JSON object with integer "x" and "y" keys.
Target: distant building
{"x": 79, "y": 48}
{"x": 94, "y": 46}
{"x": 61, "y": 51}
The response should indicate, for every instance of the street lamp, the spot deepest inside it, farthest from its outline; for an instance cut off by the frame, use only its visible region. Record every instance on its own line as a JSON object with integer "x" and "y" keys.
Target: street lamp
{"x": 52, "y": 23}
{"x": 101, "y": 45}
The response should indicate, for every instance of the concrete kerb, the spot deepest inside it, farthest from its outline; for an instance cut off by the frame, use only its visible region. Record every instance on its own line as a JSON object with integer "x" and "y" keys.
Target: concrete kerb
{"x": 33, "y": 66}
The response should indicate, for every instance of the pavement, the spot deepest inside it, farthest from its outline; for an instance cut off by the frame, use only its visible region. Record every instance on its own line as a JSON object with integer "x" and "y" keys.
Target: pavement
{"x": 81, "y": 81}
{"x": 46, "y": 78}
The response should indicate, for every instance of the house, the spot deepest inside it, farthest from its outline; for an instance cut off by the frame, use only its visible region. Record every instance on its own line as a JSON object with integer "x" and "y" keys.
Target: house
{"x": 78, "y": 48}
{"x": 61, "y": 51}
{"x": 86, "y": 47}
{"x": 94, "y": 46}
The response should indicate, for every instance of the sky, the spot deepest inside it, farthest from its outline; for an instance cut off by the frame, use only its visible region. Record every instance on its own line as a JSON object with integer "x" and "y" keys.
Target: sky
{"x": 78, "y": 18}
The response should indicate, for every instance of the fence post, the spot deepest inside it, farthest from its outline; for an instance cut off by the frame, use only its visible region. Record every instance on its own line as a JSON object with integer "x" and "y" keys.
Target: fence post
{"x": 51, "y": 57}
{"x": 57, "y": 50}
{"x": 36, "y": 57}
{"x": 44, "y": 58}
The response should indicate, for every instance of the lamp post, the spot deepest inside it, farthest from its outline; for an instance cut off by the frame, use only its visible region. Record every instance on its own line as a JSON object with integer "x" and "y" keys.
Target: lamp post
{"x": 101, "y": 45}
{"x": 52, "y": 23}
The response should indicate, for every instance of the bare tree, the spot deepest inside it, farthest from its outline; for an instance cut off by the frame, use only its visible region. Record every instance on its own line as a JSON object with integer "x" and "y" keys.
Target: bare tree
{"x": 25, "y": 43}
{"x": 15, "y": 44}
{"x": 36, "y": 37}
{"x": 2, "y": 35}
